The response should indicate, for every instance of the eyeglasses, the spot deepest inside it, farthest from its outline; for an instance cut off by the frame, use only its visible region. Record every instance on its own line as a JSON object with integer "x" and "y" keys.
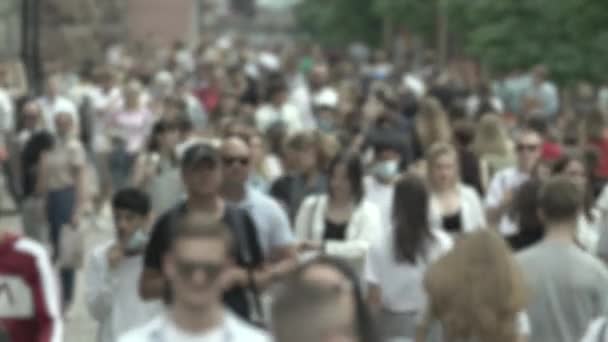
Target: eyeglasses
{"x": 186, "y": 269}
{"x": 527, "y": 147}
{"x": 230, "y": 161}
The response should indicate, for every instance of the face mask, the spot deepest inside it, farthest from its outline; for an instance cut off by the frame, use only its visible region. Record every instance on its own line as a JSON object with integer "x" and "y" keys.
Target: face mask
{"x": 386, "y": 169}
{"x": 137, "y": 242}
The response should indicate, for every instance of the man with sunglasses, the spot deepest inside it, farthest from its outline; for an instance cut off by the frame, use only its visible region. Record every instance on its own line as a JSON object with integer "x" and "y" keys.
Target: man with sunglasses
{"x": 197, "y": 266}
{"x": 202, "y": 175}
{"x": 499, "y": 196}
{"x": 270, "y": 219}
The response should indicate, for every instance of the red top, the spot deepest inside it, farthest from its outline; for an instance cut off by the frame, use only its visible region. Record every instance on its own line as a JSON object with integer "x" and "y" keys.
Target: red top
{"x": 29, "y": 305}
{"x": 209, "y": 98}
{"x": 550, "y": 151}
{"x": 602, "y": 165}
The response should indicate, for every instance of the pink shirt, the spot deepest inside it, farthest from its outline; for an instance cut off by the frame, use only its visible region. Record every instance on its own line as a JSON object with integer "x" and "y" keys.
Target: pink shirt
{"x": 132, "y": 127}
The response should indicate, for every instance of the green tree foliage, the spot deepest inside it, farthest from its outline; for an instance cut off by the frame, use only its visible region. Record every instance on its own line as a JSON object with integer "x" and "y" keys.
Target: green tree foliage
{"x": 570, "y": 36}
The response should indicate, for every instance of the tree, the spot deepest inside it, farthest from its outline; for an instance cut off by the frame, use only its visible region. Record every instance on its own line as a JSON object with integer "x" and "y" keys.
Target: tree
{"x": 569, "y": 36}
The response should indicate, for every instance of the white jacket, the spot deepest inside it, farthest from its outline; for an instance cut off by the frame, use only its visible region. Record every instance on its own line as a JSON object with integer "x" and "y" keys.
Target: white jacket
{"x": 363, "y": 228}
{"x": 112, "y": 296}
{"x": 472, "y": 211}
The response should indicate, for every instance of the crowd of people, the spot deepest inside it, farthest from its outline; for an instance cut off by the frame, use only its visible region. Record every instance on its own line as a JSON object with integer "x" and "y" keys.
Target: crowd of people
{"x": 291, "y": 193}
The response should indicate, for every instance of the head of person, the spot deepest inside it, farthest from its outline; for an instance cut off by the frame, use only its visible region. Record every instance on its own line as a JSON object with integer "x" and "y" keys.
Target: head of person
{"x": 132, "y": 91}
{"x": 442, "y": 166}
{"x": 31, "y": 113}
{"x": 198, "y": 258}
{"x": 164, "y": 136}
{"x": 304, "y": 151}
{"x": 259, "y": 149}
{"x": 201, "y": 168}
{"x": 432, "y": 123}
{"x": 333, "y": 273}
{"x": 573, "y": 166}
{"x": 411, "y": 224}
{"x": 560, "y": 203}
{"x": 539, "y": 74}
{"x": 327, "y": 314}
{"x": 528, "y": 147}
{"x": 236, "y": 161}
{"x": 131, "y": 208}
{"x": 53, "y": 86}
{"x": 526, "y": 207}
{"x": 491, "y": 137}
{"x": 476, "y": 290}
{"x": 277, "y": 93}
{"x": 346, "y": 178}
{"x": 64, "y": 123}
{"x": 387, "y": 160}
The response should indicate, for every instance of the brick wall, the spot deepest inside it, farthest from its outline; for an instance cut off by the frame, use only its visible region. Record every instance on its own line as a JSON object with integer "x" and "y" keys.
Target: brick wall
{"x": 165, "y": 20}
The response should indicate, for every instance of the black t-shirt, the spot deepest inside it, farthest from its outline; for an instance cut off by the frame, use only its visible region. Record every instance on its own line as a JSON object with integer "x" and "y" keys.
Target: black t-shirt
{"x": 246, "y": 250}
{"x": 335, "y": 231}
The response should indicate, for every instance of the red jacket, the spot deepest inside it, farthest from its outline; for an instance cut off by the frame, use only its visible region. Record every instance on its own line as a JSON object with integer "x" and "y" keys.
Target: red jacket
{"x": 29, "y": 297}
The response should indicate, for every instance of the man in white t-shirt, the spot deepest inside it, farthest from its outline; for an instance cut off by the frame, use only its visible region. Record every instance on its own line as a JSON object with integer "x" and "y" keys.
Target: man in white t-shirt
{"x": 502, "y": 187}
{"x": 197, "y": 267}
{"x": 114, "y": 268}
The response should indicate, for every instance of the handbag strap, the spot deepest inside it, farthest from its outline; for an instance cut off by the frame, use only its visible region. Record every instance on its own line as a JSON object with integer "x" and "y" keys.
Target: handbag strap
{"x": 311, "y": 218}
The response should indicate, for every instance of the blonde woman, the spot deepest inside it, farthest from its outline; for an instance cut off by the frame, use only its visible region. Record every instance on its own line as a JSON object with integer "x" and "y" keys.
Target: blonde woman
{"x": 493, "y": 147}
{"x": 476, "y": 292}
{"x": 454, "y": 206}
{"x": 432, "y": 125}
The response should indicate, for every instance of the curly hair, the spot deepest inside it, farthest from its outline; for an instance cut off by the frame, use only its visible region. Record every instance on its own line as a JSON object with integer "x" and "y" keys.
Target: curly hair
{"x": 476, "y": 291}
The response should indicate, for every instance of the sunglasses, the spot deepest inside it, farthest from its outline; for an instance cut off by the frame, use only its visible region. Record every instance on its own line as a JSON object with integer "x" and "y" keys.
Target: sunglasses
{"x": 230, "y": 161}
{"x": 187, "y": 270}
{"x": 527, "y": 147}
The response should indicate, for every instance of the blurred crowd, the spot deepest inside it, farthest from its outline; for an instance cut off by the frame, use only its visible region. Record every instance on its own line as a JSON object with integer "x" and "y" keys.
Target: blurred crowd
{"x": 317, "y": 194}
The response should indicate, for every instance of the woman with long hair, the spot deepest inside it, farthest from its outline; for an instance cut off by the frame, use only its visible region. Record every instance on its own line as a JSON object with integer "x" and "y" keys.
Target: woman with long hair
{"x": 476, "y": 292}
{"x": 340, "y": 222}
{"x": 457, "y": 206}
{"x": 493, "y": 146}
{"x": 396, "y": 264}
{"x": 525, "y": 214}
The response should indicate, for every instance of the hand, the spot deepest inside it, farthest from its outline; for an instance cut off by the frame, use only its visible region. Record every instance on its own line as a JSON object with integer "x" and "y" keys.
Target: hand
{"x": 115, "y": 255}
{"x": 310, "y": 246}
{"x": 234, "y": 276}
{"x": 507, "y": 199}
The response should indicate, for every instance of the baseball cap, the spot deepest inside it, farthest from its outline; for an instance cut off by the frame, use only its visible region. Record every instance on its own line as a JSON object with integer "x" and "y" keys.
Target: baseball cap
{"x": 198, "y": 153}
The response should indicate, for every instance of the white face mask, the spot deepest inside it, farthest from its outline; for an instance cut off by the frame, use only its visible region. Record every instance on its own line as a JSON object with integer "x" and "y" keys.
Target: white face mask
{"x": 137, "y": 242}
{"x": 386, "y": 169}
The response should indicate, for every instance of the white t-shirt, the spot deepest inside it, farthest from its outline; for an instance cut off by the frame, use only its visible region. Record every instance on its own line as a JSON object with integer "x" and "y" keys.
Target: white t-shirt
{"x": 112, "y": 295}
{"x": 401, "y": 283}
{"x": 504, "y": 181}
{"x": 162, "y": 329}
{"x": 381, "y": 195}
